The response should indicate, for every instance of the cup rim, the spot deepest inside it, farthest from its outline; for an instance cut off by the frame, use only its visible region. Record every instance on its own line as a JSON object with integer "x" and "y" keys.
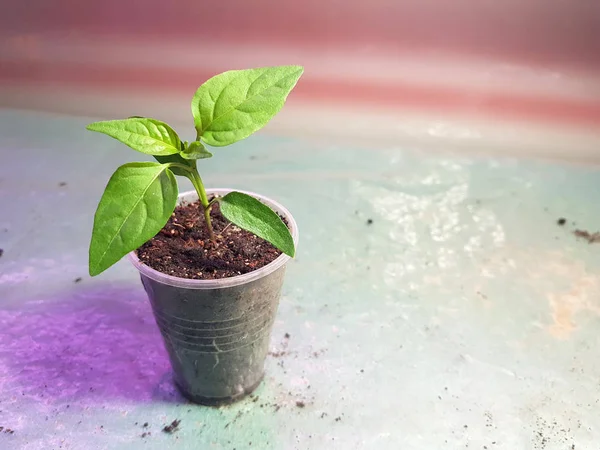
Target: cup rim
{"x": 237, "y": 280}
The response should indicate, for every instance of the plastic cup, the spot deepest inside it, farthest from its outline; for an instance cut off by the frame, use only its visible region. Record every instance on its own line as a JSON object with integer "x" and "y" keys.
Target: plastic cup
{"x": 217, "y": 332}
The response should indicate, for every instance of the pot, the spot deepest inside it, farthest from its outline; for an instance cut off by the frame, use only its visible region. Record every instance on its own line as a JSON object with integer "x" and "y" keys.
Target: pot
{"x": 217, "y": 332}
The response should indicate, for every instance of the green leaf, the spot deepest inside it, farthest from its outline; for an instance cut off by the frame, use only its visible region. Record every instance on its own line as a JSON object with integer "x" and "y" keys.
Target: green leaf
{"x": 137, "y": 202}
{"x": 250, "y": 214}
{"x": 142, "y": 134}
{"x": 179, "y": 160}
{"x": 231, "y": 106}
{"x": 196, "y": 150}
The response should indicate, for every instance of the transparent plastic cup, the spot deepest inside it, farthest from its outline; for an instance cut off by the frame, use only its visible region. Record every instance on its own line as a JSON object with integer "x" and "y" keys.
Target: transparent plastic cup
{"x": 217, "y": 332}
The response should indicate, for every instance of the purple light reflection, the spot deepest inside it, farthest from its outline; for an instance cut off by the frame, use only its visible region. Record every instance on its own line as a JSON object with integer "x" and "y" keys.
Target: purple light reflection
{"x": 95, "y": 344}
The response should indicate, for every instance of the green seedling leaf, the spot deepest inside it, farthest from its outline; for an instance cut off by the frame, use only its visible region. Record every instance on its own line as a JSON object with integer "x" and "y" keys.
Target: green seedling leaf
{"x": 196, "y": 150}
{"x": 137, "y": 202}
{"x": 178, "y": 160}
{"x": 140, "y": 197}
{"x": 250, "y": 214}
{"x": 231, "y": 106}
{"x": 145, "y": 135}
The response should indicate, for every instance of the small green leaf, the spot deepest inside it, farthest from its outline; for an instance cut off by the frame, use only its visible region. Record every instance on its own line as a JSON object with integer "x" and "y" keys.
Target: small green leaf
{"x": 250, "y": 214}
{"x": 196, "y": 150}
{"x": 142, "y": 134}
{"x": 231, "y": 106}
{"x": 179, "y": 160}
{"x": 137, "y": 202}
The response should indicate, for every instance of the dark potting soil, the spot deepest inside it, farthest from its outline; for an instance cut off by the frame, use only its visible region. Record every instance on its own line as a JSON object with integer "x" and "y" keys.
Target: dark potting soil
{"x": 183, "y": 248}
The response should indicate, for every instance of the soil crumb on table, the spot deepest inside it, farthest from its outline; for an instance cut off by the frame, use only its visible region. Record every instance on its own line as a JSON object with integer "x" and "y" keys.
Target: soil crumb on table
{"x": 174, "y": 426}
{"x": 183, "y": 248}
{"x": 590, "y": 237}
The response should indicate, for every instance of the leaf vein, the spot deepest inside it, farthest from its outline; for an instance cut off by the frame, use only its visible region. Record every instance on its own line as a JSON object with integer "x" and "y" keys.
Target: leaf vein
{"x": 128, "y": 215}
{"x": 234, "y": 108}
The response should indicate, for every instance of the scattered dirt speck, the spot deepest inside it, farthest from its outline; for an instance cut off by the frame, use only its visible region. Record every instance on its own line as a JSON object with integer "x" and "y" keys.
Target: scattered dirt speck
{"x": 318, "y": 353}
{"x": 237, "y": 416}
{"x": 287, "y": 335}
{"x": 62, "y": 184}
{"x": 369, "y": 221}
{"x": 77, "y": 280}
{"x": 172, "y": 427}
{"x": 561, "y": 221}
{"x": 1, "y": 251}
{"x": 300, "y": 404}
{"x": 145, "y": 425}
{"x": 590, "y": 237}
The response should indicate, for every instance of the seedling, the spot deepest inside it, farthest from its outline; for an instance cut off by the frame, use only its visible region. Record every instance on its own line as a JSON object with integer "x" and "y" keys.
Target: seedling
{"x": 141, "y": 196}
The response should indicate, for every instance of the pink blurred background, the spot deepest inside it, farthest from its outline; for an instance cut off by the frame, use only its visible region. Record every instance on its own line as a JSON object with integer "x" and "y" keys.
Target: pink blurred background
{"x": 529, "y": 31}
{"x": 516, "y": 60}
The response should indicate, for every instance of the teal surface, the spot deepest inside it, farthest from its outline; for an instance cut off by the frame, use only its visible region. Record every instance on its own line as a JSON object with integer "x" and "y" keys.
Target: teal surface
{"x": 434, "y": 303}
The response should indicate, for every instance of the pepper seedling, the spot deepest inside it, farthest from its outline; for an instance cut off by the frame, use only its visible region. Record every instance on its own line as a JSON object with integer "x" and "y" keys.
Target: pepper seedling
{"x": 141, "y": 196}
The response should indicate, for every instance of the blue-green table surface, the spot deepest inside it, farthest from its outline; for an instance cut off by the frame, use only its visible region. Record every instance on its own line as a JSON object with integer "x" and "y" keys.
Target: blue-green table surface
{"x": 462, "y": 317}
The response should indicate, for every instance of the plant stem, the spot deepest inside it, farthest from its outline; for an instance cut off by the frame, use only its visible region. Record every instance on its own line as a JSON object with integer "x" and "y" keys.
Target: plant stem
{"x": 199, "y": 186}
